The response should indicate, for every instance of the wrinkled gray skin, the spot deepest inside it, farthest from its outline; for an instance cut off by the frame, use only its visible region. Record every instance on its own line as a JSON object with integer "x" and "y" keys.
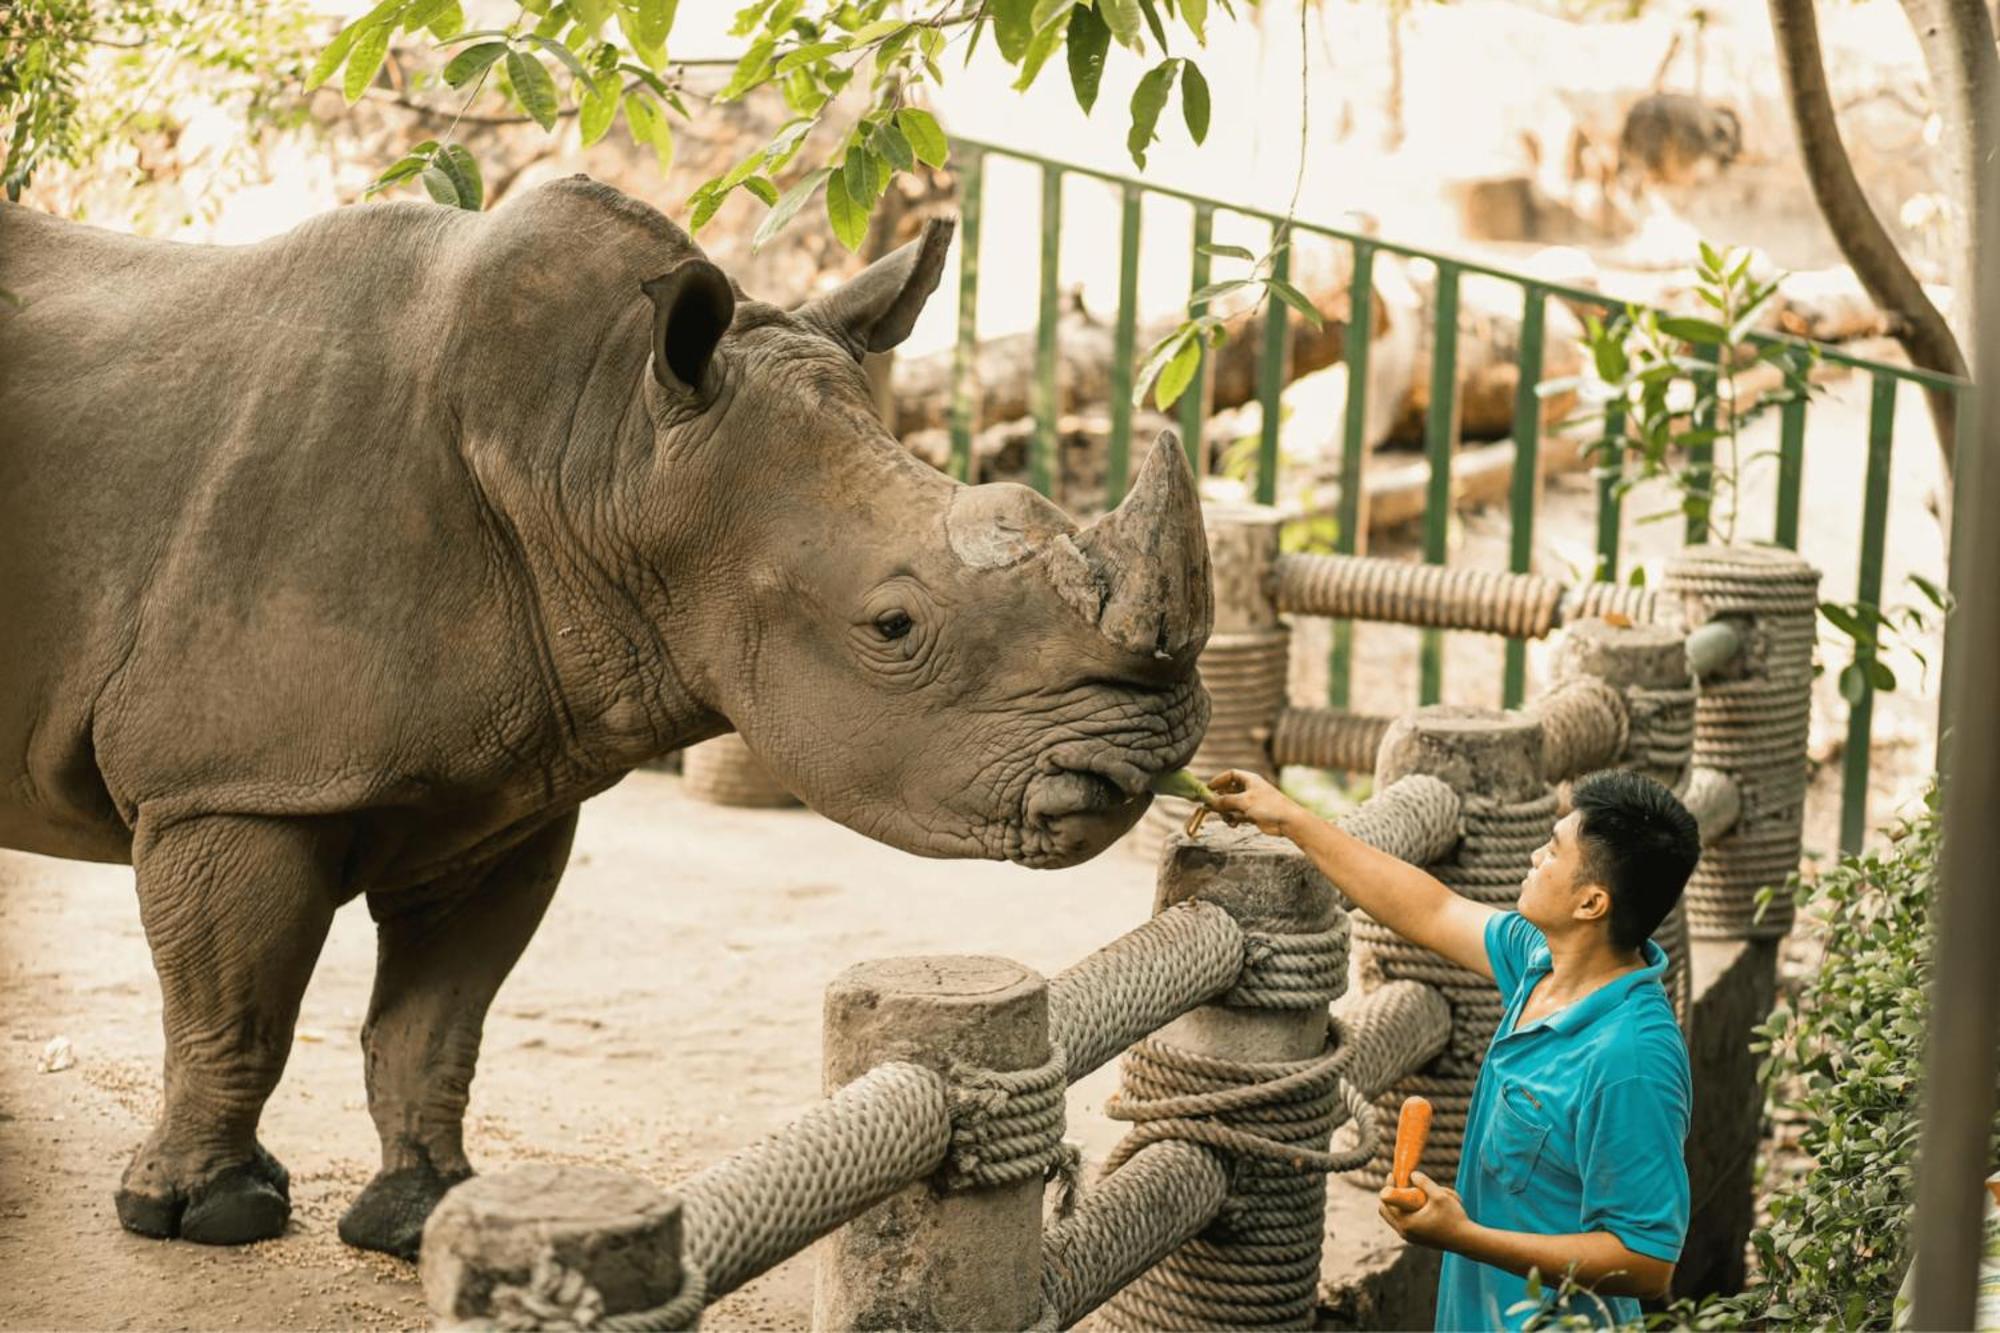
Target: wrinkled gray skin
{"x": 351, "y": 562}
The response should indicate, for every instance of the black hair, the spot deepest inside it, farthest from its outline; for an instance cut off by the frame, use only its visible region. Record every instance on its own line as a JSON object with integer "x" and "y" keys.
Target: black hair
{"x": 1640, "y": 843}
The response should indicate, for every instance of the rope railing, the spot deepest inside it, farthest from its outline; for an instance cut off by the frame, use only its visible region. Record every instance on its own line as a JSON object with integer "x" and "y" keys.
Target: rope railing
{"x": 1327, "y": 738}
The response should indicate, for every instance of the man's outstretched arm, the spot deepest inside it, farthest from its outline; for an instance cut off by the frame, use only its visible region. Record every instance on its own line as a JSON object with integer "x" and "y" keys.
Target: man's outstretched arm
{"x": 1397, "y": 894}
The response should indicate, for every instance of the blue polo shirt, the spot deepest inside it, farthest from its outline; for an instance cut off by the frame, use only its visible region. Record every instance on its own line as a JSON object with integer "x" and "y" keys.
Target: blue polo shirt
{"x": 1578, "y": 1123}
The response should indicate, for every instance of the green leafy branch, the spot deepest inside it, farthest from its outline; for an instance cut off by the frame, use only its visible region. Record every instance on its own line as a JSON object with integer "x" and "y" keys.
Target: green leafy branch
{"x": 1171, "y": 363}
{"x": 615, "y": 55}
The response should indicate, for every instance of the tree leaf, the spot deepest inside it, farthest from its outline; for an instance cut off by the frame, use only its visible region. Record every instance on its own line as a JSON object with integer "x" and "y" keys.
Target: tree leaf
{"x": 1296, "y": 299}
{"x": 1690, "y": 329}
{"x": 457, "y": 162}
{"x": 1148, "y": 100}
{"x": 848, "y": 217}
{"x": 890, "y": 143}
{"x": 1013, "y": 27}
{"x": 789, "y": 204}
{"x": 1122, "y": 17}
{"x": 438, "y": 182}
{"x": 649, "y": 127}
{"x": 1177, "y": 375}
{"x": 1194, "y": 13}
{"x": 332, "y": 58}
{"x": 405, "y": 167}
{"x": 1853, "y": 684}
{"x": 1049, "y": 13}
{"x": 1194, "y": 100}
{"x": 751, "y": 70}
{"x": 1157, "y": 356}
{"x": 470, "y": 63}
{"x": 533, "y": 87}
{"x": 598, "y": 109}
{"x": 563, "y": 54}
{"x": 1151, "y": 12}
{"x": 1042, "y": 46}
{"x": 705, "y": 205}
{"x": 927, "y": 141}
{"x": 1088, "y": 40}
{"x": 422, "y": 13}
{"x": 762, "y": 187}
{"x": 1228, "y": 252}
{"x": 370, "y": 48}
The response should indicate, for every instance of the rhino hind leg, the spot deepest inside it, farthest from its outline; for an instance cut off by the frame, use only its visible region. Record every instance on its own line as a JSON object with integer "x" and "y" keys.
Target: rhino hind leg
{"x": 235, "y": 911}
{"x": 441, "y": 953}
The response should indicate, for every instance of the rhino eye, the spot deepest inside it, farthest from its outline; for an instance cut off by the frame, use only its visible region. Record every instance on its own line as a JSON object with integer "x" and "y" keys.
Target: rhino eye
{"x": 893, "y": 624}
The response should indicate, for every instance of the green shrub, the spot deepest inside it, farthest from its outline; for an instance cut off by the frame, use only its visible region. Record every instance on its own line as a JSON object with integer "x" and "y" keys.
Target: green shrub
{"x": 1845, "y": 1052}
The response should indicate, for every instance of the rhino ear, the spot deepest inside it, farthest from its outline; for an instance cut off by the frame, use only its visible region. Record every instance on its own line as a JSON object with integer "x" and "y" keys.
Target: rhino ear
{"x": 692, "y": 306}
{"x": 876, "y": 308}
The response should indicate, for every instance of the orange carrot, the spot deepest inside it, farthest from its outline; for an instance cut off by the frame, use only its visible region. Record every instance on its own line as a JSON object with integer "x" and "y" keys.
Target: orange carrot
{"x": 1412, "y": 1128}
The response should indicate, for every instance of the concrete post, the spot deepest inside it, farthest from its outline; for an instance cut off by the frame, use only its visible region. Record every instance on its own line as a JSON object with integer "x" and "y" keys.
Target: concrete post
{"x": 550, "y": 1244}
{"x": 930, "y": 1258}
{"x": 1224, "y": 1278}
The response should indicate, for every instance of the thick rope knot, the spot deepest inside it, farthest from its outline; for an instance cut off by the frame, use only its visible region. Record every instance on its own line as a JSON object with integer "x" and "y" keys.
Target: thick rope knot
{"x": 1280, "y": 1113}
{"x": 1007, "y": 1125}
{"x": 557, "y": 1296}
{"x": 1291, "y": 971}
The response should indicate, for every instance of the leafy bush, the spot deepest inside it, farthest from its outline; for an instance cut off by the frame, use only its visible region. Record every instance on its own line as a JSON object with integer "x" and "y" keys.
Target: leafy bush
{"x": 1845, "y": 1051}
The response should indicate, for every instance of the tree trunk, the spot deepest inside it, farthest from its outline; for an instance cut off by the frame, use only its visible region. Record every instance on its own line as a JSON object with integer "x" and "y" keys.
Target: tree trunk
{"x": 1956, "y": 37}
{"x": 1916, "y": 322}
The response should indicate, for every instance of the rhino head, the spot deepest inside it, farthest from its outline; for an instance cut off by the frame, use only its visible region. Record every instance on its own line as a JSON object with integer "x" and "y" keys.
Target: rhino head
{"x": 954, "y": 670}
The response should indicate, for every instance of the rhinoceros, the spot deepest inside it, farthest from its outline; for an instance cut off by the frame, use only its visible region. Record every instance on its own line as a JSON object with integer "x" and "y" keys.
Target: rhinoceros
{"x": 350, "y": 562}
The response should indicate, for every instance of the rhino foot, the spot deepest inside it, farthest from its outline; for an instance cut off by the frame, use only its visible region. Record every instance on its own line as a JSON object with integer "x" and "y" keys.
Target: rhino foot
{"x": 389, "y": 1215}
{"x": 245, "y": 1202}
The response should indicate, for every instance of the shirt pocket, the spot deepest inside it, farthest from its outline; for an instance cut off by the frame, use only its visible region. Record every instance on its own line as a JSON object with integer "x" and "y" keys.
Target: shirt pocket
{"x": 1515, "y": 1141}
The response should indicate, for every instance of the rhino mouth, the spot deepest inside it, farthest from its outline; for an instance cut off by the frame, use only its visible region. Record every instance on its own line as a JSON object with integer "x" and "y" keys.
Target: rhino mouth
{"x": 1078, "y": 805}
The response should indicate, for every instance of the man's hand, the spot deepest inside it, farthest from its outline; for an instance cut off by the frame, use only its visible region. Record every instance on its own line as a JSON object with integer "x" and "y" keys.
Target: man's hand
{"x": 1440, "y": 1223}
{"x": 1245, "y": 796}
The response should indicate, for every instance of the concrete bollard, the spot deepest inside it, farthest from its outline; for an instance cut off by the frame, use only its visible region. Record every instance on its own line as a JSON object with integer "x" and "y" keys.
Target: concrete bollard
{"x": 1494, "y": 762}
{"x": 548, "y": 1245}
{"x": 931, "y": 1257}
{"x": 1230, "y": 1275}
{"x": 1751, "y": 724}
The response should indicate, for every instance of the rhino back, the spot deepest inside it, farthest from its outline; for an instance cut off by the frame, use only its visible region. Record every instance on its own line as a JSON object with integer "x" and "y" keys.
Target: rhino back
{"x": 246, "y": 562}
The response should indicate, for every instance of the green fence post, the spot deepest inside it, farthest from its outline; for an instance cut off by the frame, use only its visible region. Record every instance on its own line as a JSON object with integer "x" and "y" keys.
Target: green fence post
{"x": 972, "y": 173}
{"x": 1118, "y": 466}
{"x": 1610, "y": 472}
{"x": 1440, "y": 443}
{"x": 1044, "y": 468}
{"x": 1525, "y": 486}
{"x": 1791, "y": 472}
{"x": 1347, "y": 534}
{"x": 1868, "y": 590}
{"x": 1271, "y": 370}
{"x": 1194, "y": 401}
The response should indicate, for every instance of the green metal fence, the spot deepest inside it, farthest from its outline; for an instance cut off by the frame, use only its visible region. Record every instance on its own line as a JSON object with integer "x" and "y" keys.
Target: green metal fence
{"x": 1441, "y": 426}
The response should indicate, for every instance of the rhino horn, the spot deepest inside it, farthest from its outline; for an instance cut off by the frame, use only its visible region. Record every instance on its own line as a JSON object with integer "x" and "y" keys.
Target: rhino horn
{"x": 1150, "y": 558}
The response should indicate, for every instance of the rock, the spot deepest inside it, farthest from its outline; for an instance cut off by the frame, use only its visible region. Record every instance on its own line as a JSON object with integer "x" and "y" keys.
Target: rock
{"x": 57, "y": 1056}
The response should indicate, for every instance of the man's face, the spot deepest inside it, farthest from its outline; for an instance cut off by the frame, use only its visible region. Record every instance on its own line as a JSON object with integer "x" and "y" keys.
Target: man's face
{"x": 1556, "y": 888}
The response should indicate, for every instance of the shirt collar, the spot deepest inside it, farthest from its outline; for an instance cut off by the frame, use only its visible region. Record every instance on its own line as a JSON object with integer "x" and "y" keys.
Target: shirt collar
{"x": 1579, "y": 1014}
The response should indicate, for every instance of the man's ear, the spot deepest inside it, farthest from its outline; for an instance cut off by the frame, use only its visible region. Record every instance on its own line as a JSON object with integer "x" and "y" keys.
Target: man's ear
{"x": 1594, "y": 904}
{"x": 876, "y": 308}
{"x": 692, "y": 306}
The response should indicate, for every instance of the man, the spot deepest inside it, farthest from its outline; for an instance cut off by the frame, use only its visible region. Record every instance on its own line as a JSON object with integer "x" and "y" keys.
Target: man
{"x": 1572, "y": 1163}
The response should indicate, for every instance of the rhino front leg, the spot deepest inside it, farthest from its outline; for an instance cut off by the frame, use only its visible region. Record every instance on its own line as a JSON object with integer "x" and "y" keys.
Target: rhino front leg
{"x": 235, "y": 910}
{"x": 442, "y": 952}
